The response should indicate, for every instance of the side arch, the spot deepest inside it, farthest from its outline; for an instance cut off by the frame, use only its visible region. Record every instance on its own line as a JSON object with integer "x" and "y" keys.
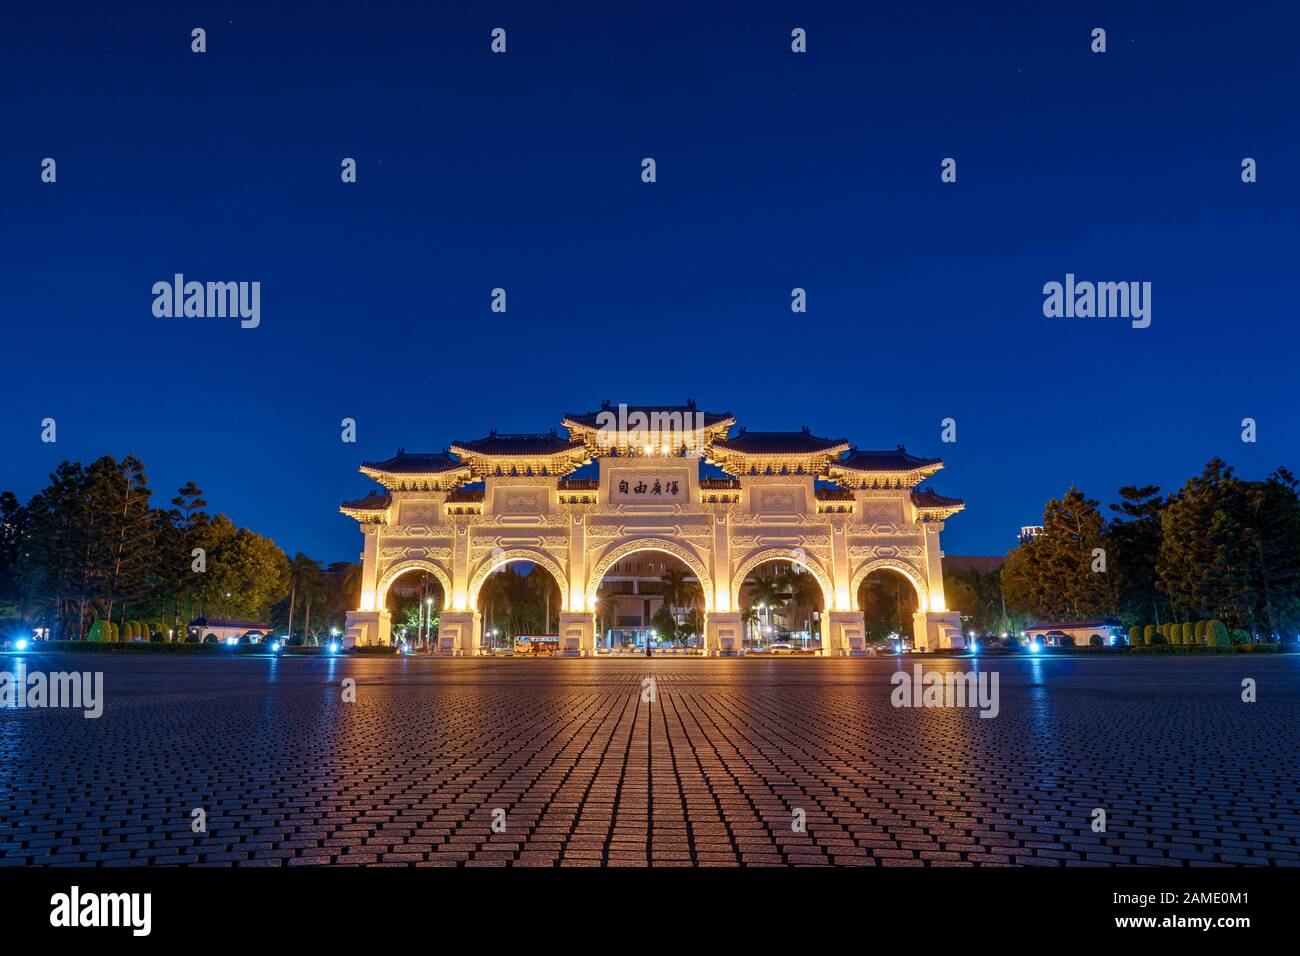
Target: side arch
{"x": 499, "y": 559}
{"x": 793, "y": 555}
{"x": 908, "y": 571}
{"x": 617, "y": 553}
{"x": 401, "y": 567}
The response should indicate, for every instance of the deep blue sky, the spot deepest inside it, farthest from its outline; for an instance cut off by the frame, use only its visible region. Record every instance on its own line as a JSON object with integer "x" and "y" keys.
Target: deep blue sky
{"x": 523, "y": 171}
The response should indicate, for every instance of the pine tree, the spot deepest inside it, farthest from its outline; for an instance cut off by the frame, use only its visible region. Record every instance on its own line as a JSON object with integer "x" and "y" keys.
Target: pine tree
{"x": 1051, "y": 575}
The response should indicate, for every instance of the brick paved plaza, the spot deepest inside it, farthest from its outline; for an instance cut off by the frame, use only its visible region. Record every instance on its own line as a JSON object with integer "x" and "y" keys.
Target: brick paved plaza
{"x": 709, "y": 774}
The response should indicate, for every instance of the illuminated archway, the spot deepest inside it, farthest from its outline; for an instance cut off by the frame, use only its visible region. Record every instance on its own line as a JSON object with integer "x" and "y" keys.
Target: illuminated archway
{"x": 402, "y": 567}
{"x": 683, "y": 554}
{"x": 794, "y": 556}
{"x": 898, "y": 566}
{"x": 500, "y": 559}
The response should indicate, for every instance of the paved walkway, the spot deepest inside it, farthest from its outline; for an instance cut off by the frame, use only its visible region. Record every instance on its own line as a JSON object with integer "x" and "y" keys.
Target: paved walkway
{"x": 712, "y": 773}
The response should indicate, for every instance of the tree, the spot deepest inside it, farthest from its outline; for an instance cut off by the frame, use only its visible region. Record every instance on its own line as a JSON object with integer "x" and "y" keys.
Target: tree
{"x": 678, "y": 592}
{"x": 247, "y": 574}
{"x": 606, "y": 607}
{"x": 119, "y": 495}
{"x": 888, "y": 601}
{"x": 766, "y": 594}
{"x": 977, "y": 596}
{"x": 1273, "y": 534}
{"x": 13, "y": 538}
{"x": 181, "y": 530}
{"x": 1051, "y": 575}
{"x": 310, "y": 588}
{"x": 692, "y": 626}
{"x": 664, "y": 624}
{"x": 1231, "y": 549}
{"x": 301, "y": 569}
{"x": 803, "y": 592}
{"x": 1132, "y": 551}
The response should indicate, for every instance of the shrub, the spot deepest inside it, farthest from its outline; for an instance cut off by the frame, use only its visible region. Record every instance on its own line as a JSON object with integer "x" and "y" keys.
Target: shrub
{"x": 1134, "y": 636}
{"x": 1161, "y": 640}
{"x": 1199, "y": 631}
{"x": 1149, "y": 634}
{"x": 1241, "y": 637}
{"x": 210, "y": 638}
{"x": 1174, "y": 634}
{"x": 1218, "y": 634}
{"x": 98, "y": 631}
{"x": 1096, "y": 641}
{"x": 1189, "y": 633}
{"x": 1066, "y": 641}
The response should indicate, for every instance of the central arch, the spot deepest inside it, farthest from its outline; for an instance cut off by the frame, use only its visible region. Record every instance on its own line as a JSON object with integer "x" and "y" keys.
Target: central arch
{"x": 401, "y": 567}
{"x": 683, "y": 554}
{"x": 500, "y": 559}
{"x": 898, "y": 566}
{"x": 793, "y": 555}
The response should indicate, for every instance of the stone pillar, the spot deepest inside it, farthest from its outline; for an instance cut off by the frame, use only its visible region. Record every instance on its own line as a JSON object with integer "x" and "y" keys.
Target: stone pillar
{"x": 937, "y": 631}
{"x": 370, "y": 599}
{"x": 458, "y": 634}
{"x": 577, "y": 634}
{"x": 723, "y": 634}
{"x": 844, "y": 634}
{"x": 841, "y": 568}
{"x": 367, "y": 628}
{"x": 934, "y": 568}
{"x": 576, "y": 599}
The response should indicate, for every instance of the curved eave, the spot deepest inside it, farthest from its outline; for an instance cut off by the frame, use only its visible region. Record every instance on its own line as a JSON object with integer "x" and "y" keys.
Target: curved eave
{"x": 368, "y": 515}
{"x": 600, "y": 443}
{"x": 553, "y": 465}
{"x": 445, "y": 480}
{"x": 744, "y": 464}
{"x": 938, "y": 512}
{"x": 863, "y": 478}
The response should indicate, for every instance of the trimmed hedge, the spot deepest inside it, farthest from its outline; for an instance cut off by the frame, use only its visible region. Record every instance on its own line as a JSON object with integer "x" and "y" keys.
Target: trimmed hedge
{"x": 125, "y": 647}
{"x": 1211, "y": 649}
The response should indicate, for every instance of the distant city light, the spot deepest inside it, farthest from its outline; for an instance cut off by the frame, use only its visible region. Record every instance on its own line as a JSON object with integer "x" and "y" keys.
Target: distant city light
{"x": 21, "y": 644}
{"x": 275, "y": 647}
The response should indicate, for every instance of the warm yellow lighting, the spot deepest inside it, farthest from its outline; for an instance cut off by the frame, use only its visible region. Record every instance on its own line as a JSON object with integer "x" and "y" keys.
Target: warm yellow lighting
{"x": 936, "y": 603}
{"x": 367, "y": 599}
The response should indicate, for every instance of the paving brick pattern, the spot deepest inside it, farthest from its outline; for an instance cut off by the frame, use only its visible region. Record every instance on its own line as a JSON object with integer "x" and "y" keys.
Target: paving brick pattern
{"x": 709, "y": 774}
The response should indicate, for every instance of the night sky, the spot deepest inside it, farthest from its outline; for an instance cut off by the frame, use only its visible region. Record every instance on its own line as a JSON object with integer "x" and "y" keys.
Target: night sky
{"x": 522, "y": 171}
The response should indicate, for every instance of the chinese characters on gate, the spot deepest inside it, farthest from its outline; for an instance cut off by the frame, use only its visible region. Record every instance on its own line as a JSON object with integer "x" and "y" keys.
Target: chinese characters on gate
{"x": 661, "y": 487}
